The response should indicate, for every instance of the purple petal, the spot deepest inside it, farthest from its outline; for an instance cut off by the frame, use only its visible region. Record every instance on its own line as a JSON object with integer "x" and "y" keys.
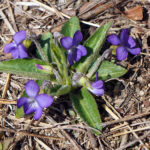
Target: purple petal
{"x": 32, "y": 88}
{"x": 22, "y": 51}
{"x": 113, "y": 39}
{"x": 15, "y": 53}
{"x": 39, "y": 67}
{"x": 38, "y": 113}
{"x": 77, "y": 38}
{"x": 19, "y": 36}
{"x": 124, "y": 36}
{"x": 98, "y": 92}
{"x": 9, "y": 47}
{"x": 82, "y": 49}
{"x": 70, "y": 59}
{"x": 78, "y": 55}
{"x": 44, "y": 100}
{"x": 29, "y": 108}
{"x": 135, "y": 51}
{"x": 97, "y": 84}
{"x": 122, "y": 53}
{"x": 66, "y": 42}
{"x": 21, "y": 101}
{"x": 131, "y": 42}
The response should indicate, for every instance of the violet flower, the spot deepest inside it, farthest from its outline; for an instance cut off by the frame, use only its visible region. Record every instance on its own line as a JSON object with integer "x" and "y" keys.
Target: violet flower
{"x": 75, "y": 51}
{"x": 17, "y": 49}
{"x": 126, "y": 44}
{"x": 35, "y": 102}
{"x": 97, "y": 88}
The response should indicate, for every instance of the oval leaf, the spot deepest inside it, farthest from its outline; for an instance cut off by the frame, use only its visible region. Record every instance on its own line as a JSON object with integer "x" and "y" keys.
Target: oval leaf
{"x": 70, "y": 27}
{"x": 60, "y": 59}
{"x": 25, "y": 68}
{"x": 85, "y": 105}
{"x": 109, "y": 70}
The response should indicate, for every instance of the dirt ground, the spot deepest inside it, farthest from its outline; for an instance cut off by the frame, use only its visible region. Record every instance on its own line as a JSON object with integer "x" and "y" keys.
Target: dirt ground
{"x": 125, "y": 106}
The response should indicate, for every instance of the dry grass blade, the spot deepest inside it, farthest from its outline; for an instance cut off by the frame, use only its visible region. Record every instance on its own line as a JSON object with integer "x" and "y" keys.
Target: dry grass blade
{"x": 133, "y": 142}
{"x": 118, "y": 116}
{"x": 53, "y": 10}
{"x": 99, "y": 9}
{"x": 23, "y": 133}
{"x": 5, "y": 101}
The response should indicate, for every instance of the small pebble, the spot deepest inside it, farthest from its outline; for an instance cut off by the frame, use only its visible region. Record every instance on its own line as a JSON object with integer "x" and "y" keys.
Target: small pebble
{"x": 141, "y": 93}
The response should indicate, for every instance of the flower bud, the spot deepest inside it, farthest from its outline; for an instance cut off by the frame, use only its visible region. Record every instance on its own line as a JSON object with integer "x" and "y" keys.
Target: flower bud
{"x": 45, "y": 68}
{"x": 27, "y": 43}
{"x": 114, "y": 49}
{"x": 85, "y": 82}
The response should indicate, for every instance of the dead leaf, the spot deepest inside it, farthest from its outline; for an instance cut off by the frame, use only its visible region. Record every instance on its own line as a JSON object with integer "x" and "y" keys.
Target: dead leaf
{"x": 135, "y": 13}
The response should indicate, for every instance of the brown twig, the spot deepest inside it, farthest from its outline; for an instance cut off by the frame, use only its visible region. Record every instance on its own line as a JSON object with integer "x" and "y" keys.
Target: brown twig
{"x": 30, "y": 134}
{"x": 133, "y": 142}
{"x": 74, "y": 143}
{"x": 5, "y": 101}
{"x": 12, "y": 16}
{"x": 127, "y": 118}
{"x": 118, "y": 116}
{"x": 99, "y": 9}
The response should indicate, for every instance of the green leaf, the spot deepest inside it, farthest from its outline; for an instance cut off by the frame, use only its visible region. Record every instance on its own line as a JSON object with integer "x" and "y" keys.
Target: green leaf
{"x": 5, "y": 145}
{"x": 59, "y": 90}
{"x": 19, "y": 112}
{"x": 61, "y": 62}
{"x": 25, "y": 68}
{"x": 85, "y": 105}
{"x": 93, "y": 46}
{"x": 1, "y": 146}
{"x": 70, "y": 27}
{"x": 109, "y": 70}
{"x": 45, "y": 45}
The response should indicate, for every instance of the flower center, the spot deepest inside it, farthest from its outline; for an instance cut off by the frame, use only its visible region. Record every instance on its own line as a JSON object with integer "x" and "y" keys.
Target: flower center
{"x": 72, "y": 50}
{"x": 15, "y": 45}
{"x": 33, "y": 102}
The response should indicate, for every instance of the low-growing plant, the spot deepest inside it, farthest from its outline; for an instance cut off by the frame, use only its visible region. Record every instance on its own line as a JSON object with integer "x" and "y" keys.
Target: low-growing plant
{"x": 64, "y": 66}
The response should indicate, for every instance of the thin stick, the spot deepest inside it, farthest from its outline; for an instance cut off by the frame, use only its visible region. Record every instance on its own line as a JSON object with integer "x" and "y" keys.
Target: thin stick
{"x": 133, "y": 142}
{"x": 127, "y": 132}
{"x": 29, "y": 15}
{"x": 30, "y": 134}
{"x": 6, "y": 86}
{"x": 53, "y": 10}
{"x": 124, "y": 119}
{"x": 144, "y": 54}
{"x": 73, "y": 142}
{"x": 7, "y": 22}
{"x": 5, "y": 101}
{"x": 42, "y": 144}
{"x": 118, "y": 115}
{"x": 12, "y": 16}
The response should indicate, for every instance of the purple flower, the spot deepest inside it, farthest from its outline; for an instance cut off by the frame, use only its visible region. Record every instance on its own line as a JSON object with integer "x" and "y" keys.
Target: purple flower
{"x": 126, "y": 44}
{"x": 75, "y": 51}
{"x": 35, "y": 102}
{"x": 97, "y": 88}
{"x": 17, "y": 49}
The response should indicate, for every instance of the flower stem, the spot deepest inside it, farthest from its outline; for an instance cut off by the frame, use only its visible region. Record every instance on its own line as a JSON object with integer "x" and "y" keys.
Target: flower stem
{"x": 40, "y": 49}
{"x": 98, "y": 62}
